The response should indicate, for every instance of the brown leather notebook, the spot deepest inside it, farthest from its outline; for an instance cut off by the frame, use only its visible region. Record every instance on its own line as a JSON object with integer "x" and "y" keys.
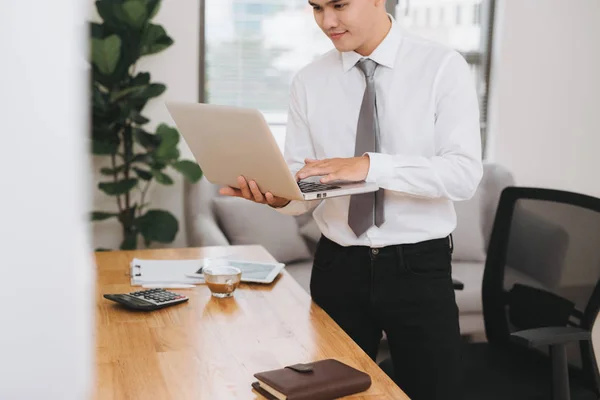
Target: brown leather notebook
{"x": 320, "y": 380}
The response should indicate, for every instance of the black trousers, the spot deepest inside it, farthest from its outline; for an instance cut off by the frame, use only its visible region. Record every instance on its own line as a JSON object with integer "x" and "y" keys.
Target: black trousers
{"x": 405, "y": 291}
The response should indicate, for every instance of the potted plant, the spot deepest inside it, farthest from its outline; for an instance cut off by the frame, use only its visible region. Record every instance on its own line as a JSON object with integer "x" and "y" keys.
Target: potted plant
{"x": 137, "y": 156}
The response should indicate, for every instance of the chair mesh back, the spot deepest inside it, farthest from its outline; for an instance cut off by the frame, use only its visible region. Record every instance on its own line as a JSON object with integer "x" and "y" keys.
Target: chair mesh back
{"x": 552, "y": 265}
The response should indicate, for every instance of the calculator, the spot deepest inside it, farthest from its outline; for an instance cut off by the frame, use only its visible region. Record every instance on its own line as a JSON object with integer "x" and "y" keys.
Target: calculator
{"x": 147, "y": 300}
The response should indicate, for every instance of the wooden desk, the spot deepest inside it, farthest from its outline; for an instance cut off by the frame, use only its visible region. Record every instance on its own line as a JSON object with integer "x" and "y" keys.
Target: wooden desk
{"x": 209, "y": 348}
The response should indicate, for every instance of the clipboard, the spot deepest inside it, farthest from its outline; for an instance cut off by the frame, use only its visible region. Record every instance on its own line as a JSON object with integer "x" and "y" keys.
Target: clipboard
{"x": 163, "y": 271}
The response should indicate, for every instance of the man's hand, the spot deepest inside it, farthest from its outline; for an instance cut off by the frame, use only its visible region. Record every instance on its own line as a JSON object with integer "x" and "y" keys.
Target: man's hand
{"x": 250, "y": 191}
{"x": 354, "y": 169}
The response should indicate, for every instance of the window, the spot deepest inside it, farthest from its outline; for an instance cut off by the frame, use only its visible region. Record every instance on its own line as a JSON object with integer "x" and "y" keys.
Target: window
{"x": 477, "y": 14}
{"x": 415, "y": 16}
{"x": 253, "y": 48}
{"x": 456, "y": 30}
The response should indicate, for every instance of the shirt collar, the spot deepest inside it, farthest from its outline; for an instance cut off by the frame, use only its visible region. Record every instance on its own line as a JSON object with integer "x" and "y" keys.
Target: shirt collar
{"x": 384, "y": 54}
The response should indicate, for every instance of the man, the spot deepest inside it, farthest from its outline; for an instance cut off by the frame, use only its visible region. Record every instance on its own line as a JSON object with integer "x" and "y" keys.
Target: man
{"x": 400, "y": 111}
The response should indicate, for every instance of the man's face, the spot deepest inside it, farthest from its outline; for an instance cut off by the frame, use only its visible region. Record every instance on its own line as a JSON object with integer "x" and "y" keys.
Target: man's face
{"x": 348, "y": 23}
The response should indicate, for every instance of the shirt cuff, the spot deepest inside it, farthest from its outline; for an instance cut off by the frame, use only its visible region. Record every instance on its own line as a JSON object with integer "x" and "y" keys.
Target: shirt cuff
{"x": 380, "y": 165}
{"x": 294, "y": 207}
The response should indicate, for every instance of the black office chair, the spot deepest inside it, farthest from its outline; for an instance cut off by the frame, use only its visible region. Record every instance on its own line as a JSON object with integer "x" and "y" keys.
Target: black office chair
{"x": 541, "y": 296}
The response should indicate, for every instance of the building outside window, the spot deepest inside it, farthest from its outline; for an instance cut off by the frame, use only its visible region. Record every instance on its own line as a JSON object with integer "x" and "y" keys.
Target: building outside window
{"x": 253, "y": 48}
{"x": 469, "y": 36}
{"x": 477, "y": 14}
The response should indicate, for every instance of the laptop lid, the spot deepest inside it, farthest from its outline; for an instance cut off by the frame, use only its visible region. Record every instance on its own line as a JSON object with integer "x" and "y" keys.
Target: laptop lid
{"x": 230, "y": 141}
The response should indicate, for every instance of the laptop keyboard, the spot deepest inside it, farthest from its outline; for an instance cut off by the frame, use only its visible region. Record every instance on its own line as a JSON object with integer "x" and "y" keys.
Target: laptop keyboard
{"x": 309, "y": 187}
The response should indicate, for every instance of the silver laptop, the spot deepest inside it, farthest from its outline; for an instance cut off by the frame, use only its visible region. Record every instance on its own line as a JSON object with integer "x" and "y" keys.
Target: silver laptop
{"x": 231, "y": 141}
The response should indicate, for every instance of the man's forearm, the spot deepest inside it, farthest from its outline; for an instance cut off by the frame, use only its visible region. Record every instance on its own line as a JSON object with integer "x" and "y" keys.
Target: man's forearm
{"x": 453, "y": 176}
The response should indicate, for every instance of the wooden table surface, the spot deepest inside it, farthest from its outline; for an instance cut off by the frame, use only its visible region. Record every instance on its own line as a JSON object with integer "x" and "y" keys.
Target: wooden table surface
{"x": 209, "y": 348}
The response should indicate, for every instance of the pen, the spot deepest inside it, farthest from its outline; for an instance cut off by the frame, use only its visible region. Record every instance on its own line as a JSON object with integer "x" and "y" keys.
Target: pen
{"x": 167, "y": 286}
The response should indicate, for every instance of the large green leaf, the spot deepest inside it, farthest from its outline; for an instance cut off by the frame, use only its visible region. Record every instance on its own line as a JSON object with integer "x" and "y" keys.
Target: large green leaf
{"x": 143, "y": 174}
{"x": 106, "y": 53}
{"x": 152, "y": 90}
{"x": 135, "y": 13}
{"x": 157, "y": 226}
{"x": 98, "y": 31}
{"x": 168, "y": 144}
{"x": 118, "y": 188}
{"x": 118, "y": 12}
{"x": 138, "y": 118}
{"x": 139, "y": 99}
{"x": 104, "y": 113}
{"x": 106, "y": 10}
{"x": 154, "y": 40}
{"x": 120, "y": 94}
{"x": 140, "y": 158}
{"x": 103, "y": 148}
{"x": 99, "y": 103}
{"x": 101, "y": 216}
{"x": 169, "y": 134}
{"x": 161, "y": 177}
{"x": 189, "y": 169}
{"x": 167, "y": 155}
{"x": 104, "y": 141}
{"x": 142, "y": 78}
{"x": 152, "y": 6}
{"x": 147, "y": 140}
{"x": 157, "y": 165}
{"x": 111, "y": 171}
{"x": 130, "y": 50}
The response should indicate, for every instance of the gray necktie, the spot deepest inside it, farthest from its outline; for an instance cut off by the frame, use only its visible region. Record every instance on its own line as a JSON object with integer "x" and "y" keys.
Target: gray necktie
{"x": 366, "y": 208}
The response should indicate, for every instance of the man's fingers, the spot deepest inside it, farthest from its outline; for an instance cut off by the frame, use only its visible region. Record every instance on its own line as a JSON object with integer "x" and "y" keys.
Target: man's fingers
{"x": 310, "y": 160}
{"x": 329, "y": 178}
{"x": 258, "y": 196}
{"x": 309, "y": 171}
{"x": 270, "y": 198}
{"x": 229, "y": 191}
{"x": 244, "y": 188}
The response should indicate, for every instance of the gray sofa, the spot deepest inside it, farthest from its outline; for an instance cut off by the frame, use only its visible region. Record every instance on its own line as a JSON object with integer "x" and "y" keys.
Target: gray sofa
{"x": 213, "y": 220}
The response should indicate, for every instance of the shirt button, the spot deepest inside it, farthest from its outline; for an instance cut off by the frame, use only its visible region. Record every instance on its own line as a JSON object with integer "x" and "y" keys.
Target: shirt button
{"x": 375, "y": 251}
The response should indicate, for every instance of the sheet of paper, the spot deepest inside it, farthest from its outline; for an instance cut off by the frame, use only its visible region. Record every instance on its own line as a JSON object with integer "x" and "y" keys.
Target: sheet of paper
{"x": 164, "y": 271}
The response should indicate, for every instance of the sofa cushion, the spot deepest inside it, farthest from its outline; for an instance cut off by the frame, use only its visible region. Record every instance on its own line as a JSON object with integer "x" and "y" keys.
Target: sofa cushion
{"x": 310, "y": 231}
{"x": 246, "y": 222}
{"x": 301, "y": 271}
{"x": 468, "y": 239}
{"x": 495, "y": 179}
{"x": 470, "y": 274}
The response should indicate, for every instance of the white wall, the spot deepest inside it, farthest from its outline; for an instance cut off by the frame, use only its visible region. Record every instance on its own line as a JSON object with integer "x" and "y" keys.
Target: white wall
{"x": 177, "y": 68}
{"x": 545, "y": 93}
{"x": 46, "y": 346}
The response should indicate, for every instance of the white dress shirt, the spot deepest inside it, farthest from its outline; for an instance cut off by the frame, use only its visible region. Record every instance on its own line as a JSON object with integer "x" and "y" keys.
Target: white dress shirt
{"x": 430, "y": 146}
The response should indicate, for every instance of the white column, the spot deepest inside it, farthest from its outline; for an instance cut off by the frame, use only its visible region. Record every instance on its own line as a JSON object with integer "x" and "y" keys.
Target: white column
{"x": 543, "y": 121}
{"x": 46, "y": 269}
